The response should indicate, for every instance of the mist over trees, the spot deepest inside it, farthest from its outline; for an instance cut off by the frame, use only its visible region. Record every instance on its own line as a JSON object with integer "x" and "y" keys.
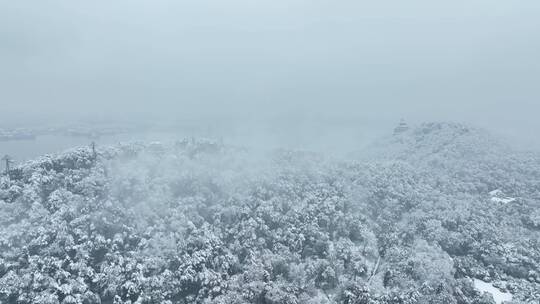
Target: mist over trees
{"x": 202, "y": 222}
{"x": 303, "y": 196}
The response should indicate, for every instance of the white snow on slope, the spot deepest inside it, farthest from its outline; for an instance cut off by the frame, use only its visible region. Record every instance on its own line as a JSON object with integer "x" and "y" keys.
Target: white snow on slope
{"x": 505, "y": 200}
{"x": 498, "y": 295}
{"x": 497, "y": 196}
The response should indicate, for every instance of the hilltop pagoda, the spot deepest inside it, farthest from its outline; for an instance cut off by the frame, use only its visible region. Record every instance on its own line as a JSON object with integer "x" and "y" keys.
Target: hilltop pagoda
{"x": 402, "y": 127}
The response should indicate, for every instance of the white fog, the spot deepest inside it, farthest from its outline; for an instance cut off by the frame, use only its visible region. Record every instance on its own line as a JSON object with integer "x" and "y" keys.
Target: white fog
{"x": 272, "y": 152}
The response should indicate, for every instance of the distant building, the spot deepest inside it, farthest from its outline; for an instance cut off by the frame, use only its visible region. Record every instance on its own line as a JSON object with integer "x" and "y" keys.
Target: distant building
{"x": 402, "y": 127}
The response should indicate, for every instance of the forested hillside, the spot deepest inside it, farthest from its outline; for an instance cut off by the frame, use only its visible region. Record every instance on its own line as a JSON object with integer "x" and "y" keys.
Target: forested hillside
{"x": 415, "y": 218}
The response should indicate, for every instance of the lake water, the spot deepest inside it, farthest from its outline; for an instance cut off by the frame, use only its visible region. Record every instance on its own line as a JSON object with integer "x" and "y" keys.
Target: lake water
{"x": 23, "y": 150}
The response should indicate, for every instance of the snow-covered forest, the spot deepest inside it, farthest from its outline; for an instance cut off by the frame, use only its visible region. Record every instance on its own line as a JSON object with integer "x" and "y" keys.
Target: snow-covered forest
{"x": 423, "y": 216}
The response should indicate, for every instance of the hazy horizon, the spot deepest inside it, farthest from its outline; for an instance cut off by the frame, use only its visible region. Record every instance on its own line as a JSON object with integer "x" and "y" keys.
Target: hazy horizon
{"x": 298, "y": 61}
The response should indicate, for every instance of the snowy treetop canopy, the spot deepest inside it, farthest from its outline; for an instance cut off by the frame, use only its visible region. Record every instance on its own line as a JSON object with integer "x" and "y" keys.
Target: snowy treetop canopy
{"x": 200, "y": 222}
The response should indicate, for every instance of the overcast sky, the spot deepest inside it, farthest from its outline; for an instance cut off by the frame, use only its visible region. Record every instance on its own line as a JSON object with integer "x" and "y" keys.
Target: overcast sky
{"x": 463, "y": 60}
